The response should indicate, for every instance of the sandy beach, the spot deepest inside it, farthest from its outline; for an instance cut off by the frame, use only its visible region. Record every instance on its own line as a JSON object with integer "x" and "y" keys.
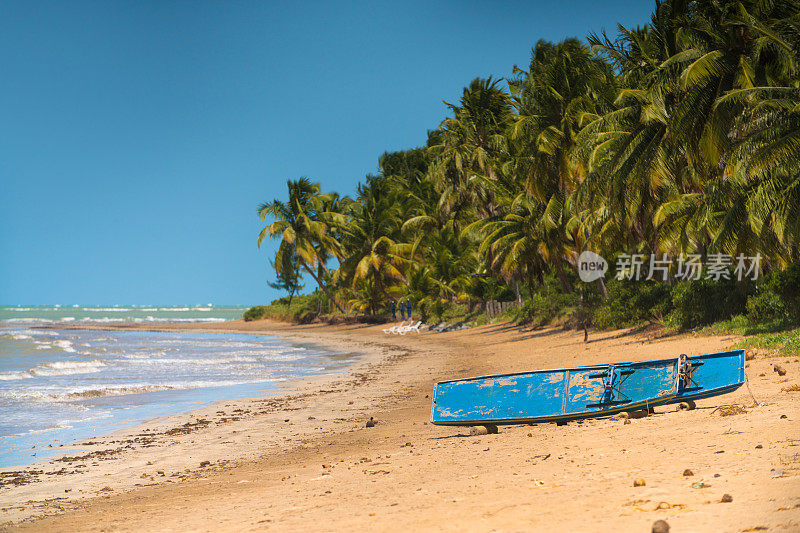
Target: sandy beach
{"x": 306, "y": 460}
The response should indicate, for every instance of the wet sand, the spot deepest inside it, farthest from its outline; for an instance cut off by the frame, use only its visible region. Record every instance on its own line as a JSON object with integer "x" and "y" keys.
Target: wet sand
{"x": 307, "y": 461}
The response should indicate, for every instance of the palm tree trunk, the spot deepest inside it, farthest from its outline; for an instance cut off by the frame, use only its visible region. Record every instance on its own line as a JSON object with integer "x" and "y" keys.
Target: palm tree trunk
{"x": 324, "y": 288}
{"x": 561, "y": 276}
{"x": 602, "y": 284}
{"x": 516, "y": 291}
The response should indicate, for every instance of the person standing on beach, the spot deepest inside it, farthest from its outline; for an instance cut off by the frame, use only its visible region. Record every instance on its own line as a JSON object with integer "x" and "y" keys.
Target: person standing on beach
{"x": 408, "y": 308}
{"x": 402, "y": 310}
{"x": 394, "y": 311}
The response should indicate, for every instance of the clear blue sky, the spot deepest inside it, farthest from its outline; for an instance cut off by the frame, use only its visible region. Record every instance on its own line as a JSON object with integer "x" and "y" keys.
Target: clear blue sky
{"x": 139, "y": 137}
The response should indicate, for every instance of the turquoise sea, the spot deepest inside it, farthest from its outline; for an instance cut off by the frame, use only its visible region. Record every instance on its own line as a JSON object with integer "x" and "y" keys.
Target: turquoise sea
{"x": 61, "y": 385}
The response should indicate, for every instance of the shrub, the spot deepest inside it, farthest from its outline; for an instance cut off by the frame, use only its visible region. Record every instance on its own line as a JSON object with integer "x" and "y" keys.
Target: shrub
{"x": 255, "y": 313}
{"x": 765, "y": 305}
{"x": 786, "y": 285}
{"x": 631, "y": 302}
{"x": 701, "y": 302}
{"x": 544, "y": 309}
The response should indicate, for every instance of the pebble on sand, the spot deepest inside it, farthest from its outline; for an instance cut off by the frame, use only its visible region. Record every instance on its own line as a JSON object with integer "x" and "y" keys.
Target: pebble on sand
{"x": 726, "y": 498}
{"x": 639, "y": 482}
{"x": 478, "y": 430}
{"x": 779, "y": 369}
{"x": 688, "y": 473}
{"x": 660, "y": 526}
{"x": 371, "y": 423}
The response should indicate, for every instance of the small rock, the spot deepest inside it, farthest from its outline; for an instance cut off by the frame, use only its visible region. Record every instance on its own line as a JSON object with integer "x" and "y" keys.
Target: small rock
{"x": 758, "y": 447}
{"x": 779, "y": 369}
{"x": 626, "y": 421}
{"x": 784, "y": 416}
{"x": 350, "y": 402}
{"x": 726, "y": 498}
{"x": 286, "y": 420}
{"x": 660, "y": 526}
{"x": 639, "y": 482}
{"x": 312, "y": 417}
{"x": 530, "y": 434}
{"x": 716, "y": 475}
{"x": 688, "y": 473}
{"x": 205, "y": 463}
{"x": 761, "y": 375}
{"x": 478, "y": 430}
{"x": 371, "y": 422}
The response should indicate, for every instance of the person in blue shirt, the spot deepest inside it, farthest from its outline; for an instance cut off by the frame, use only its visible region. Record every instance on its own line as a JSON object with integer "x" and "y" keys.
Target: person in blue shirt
{"x": 402, "y": 310}
{"x": 394, "y": 310}
{"x": 408, "y": 308}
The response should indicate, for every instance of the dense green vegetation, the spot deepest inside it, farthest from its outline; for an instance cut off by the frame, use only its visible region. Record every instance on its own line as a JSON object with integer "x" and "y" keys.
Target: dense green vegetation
{"x": 681, "y": 137}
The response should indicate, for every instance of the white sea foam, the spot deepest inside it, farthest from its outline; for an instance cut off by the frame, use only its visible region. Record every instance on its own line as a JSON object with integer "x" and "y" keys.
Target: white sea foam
{"x": 65, "y": 346}
{"x": 66, "y": 368}
{"x": 10, "y": 376}
{"x": 194, "y": 361}
{"x": 21, "y": 337}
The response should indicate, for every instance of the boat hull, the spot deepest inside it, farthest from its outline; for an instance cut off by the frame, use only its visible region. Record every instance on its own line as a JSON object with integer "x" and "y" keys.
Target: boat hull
{"x": 584, "y": 392}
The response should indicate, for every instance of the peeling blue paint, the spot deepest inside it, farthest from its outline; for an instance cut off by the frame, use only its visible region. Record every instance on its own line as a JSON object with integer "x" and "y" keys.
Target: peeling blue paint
{"x": 595, "y": 390}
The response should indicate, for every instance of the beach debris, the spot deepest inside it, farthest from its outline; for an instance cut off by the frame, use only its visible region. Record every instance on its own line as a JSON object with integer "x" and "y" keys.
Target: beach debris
{"x": 784, "y": 416}
{"x": 478, "y": 430}
{"x": 660, "y": 526}
{"x": 726, "y": 498}
{"x": 626, "y": 421}
{"x": 730, "y": 410}
{"x": 791, "y": 388}
{"x": 688, "y": 405}
{"x": 758, "y": 446}
{"x": 639, "y": 482}
{"x": 688, "y": 473}
{"x": 105, "y": 489}
{"x": 701, "y": 485}
{"x": 371, "y": 422}
{"x": 779, "y": 369}
{"x": 205, "y": 463}
{"x": 776, "y": 473}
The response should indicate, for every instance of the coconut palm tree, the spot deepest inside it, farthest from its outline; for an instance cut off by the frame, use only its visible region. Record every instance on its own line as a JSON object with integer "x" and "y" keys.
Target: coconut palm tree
{"x": 303, "y": 233}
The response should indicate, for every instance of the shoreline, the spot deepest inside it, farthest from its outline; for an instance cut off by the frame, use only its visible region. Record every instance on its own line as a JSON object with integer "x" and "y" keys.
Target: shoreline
{"x": 265, "y": 472}
{"x": 269, "y": 388}
{"x": 38, "y": 477}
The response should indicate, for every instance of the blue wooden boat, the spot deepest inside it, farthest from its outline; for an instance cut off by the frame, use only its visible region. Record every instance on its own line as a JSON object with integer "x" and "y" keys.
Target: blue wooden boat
{"x": 585, "y": 391}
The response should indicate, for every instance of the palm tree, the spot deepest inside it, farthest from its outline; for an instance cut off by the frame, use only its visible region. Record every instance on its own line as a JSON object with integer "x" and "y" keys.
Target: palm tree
{"x": 564, "y": 83}
{"x": 373, "y": 256}
{"x": 299, "y": 225}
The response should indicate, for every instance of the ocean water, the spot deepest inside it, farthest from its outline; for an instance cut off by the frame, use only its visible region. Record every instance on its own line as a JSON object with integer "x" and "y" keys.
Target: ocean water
{"x": 111, "y": 314}
{"x": 58, "y": 386}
